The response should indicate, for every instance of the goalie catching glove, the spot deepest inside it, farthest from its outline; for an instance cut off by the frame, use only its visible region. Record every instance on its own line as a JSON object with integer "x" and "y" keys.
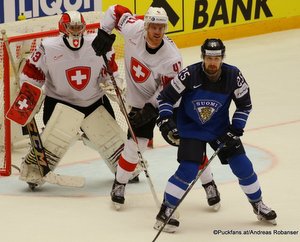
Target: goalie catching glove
{"x": 110, "y": 91}
{"x": 103, "y": 42}
{"x": 139, "y": 117}
{"x": 168, "y": 130}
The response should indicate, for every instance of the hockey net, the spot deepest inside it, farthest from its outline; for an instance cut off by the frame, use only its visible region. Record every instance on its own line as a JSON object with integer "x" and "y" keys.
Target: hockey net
{"x": 26, "y": 36}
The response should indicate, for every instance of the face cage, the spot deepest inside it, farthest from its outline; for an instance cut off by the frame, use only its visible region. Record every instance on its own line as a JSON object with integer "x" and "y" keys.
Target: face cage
{"x": 74, "y": 30}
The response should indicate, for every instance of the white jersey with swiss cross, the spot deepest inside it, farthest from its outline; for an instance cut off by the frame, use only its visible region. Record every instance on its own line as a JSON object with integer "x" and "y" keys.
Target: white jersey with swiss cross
{"x": 69, "y": 75}
{"x": 145, "y": 73}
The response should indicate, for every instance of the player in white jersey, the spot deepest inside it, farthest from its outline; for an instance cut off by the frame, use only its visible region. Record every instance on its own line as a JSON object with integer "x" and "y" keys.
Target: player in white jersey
{"x": 70, "y": 74}
{"x": 151, "y": 61}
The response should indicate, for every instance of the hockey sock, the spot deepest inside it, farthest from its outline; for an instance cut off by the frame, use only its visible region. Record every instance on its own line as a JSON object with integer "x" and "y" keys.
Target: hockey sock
{"x": 179, "y": 182}
{"x": 242, "y": 167}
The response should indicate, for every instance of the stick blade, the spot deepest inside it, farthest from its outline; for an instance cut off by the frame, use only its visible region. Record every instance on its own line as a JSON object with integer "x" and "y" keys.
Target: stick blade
{"x": 63, "y": 180}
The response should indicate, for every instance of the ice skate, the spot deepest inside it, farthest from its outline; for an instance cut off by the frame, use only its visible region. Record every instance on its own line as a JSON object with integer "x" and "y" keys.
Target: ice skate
{"x": 164, "y": 213}
{"x": 213, "y": 195}
{"x": 135, "y": 179}
{"x": 117, "y": 195}
{"x": 30, "y": 173}
{"x": 32, "y": 186}
{"x": 263, "y": 212}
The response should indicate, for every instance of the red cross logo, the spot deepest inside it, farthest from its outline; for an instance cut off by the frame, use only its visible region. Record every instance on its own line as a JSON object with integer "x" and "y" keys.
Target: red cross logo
{"x": 78, "y": 77}
{"x": 139, "y": 71}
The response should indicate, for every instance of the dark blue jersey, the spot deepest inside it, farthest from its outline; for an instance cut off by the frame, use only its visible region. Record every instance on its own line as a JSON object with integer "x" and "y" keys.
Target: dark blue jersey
{"x": 203, "y": 112}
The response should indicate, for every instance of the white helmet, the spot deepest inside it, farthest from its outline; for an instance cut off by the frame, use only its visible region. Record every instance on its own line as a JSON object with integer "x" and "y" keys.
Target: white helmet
{"x": 157, "y": 16}
{"x": 72, "y": 25}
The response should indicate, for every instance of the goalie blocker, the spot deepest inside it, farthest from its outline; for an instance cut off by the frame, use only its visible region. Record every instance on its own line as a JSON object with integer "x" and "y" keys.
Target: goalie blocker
{"x": 26, "y": 104}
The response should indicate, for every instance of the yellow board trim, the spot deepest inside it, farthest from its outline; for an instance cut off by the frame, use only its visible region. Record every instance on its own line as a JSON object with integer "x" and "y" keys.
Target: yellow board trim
{"x": 238, "y": 31}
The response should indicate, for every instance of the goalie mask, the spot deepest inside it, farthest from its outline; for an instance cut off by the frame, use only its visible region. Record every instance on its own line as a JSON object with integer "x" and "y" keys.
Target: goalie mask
{"x": 156, "y": 16}
{"x": 72, "y": 26}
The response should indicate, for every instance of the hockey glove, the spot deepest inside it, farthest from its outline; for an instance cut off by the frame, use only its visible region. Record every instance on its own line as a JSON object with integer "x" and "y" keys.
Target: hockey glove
{"x": 139, "y": 117}
{"x": 230, "y": 137}
{"x": 109, "y": 88}
{"x": 103, "y": 42}
{"x": 168, "y": 130}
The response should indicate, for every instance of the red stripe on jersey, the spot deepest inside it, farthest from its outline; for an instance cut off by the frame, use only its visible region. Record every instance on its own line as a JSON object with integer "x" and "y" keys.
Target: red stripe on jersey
{"x": 166, "y": 80}
{"x": 141, "y": 17}
{"x": 33, "y": 72}
{"x": 113, "y": 66}
{"x": 124, "y": 164}
{"x": 112, "y": 63}
{"x": 204, "y": 162}
{"x": 119, "y": 11}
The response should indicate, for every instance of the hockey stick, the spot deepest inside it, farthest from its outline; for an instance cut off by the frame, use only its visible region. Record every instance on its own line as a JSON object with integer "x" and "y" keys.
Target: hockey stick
{"x": 37, "y": 145}
{"x": 188, "y": 190}
{"x": 123, "y": 110}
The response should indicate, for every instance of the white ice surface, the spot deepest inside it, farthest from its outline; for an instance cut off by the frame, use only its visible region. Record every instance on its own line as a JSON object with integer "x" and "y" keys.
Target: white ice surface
{"x": 270, "y": 63}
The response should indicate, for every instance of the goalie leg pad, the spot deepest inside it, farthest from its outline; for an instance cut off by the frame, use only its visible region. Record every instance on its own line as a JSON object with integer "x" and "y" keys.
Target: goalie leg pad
{"x": 60, "y": 132}
{"x": 104, "y": 135}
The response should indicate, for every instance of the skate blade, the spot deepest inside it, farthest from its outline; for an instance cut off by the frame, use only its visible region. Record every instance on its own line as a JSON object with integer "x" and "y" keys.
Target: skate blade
{"x": 117, "y": 206}
{"x": 216, "y": 207}
{"x": 168, "y": 228}
{"x": 176, "y": 215}
{"x": 271, "y": 221}
{"x": 32, "y": 186}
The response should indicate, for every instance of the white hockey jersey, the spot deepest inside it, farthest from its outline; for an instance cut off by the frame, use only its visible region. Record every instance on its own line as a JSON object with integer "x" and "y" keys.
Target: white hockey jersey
{"x": 145, "y": 73}
{"x": 68, "y": 75}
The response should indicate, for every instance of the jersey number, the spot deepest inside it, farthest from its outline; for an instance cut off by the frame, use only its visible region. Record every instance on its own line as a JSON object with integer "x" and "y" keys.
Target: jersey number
{"x": 184, "y": 74}
{"x": 36, "y": 56}
{"x": 177, "y": 67}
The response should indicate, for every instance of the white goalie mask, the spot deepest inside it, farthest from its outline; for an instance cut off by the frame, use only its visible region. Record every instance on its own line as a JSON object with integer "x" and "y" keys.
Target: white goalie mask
{"x": 72, "y": 25}
{"x": 157, "y": 16}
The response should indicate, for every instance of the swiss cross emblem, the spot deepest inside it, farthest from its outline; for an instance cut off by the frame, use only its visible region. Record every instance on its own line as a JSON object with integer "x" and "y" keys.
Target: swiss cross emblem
{"x": 78, "y": 77}
{"x": 21, "y": 109}
{"x": 22, "y": 103}
{"x": 26, "y": 101}
{"x": 139, "y": 72}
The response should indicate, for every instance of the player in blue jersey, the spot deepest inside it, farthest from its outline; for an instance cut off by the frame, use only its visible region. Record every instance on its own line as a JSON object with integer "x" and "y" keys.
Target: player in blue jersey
{"x": 206, "y": 90}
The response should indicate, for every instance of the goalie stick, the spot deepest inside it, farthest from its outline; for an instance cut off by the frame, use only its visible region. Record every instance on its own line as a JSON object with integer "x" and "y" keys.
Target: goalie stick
{"x": 37, "y": 145}
{"x": 188, "y": 190}
{"x": 123, "y": 110}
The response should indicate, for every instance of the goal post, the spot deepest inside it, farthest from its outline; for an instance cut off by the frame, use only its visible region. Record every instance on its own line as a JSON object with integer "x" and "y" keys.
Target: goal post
{"x": 22, "y": 45}
{"x": 5, "y": 142}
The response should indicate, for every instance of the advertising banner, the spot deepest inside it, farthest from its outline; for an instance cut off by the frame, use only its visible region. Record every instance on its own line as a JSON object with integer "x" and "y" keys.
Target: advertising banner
{"x": 188, "y": 18}
{"x": 11, "y": 9}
